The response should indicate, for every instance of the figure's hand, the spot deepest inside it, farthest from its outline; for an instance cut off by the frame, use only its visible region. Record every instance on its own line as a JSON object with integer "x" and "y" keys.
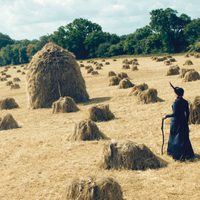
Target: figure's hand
{"x": 164, "y": 117}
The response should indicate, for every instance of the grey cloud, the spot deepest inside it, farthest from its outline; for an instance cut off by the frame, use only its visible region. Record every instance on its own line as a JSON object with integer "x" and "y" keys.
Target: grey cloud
{"x": 33, "y": 18}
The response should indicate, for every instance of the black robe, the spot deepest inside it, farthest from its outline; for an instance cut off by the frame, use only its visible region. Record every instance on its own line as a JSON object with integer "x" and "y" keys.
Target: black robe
{"x": 179, "y": 146}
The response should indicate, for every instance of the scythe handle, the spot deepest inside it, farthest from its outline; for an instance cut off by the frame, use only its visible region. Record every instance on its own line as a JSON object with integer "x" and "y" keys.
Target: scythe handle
{"x": 163, "y": 136}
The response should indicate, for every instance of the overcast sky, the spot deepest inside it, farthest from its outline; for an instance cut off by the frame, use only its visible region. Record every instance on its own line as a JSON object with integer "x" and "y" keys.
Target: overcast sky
{"x": 30, "y": 19}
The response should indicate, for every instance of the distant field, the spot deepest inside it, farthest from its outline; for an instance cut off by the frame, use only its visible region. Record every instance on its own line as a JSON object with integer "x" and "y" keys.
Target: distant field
{"x": 37, "y": 162}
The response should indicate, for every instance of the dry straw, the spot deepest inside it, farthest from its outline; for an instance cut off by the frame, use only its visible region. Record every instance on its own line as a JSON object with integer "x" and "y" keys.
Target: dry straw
{"x": 8, "y": 122}
{"x": 195, "y": 111}
{"x": 8, "y": 103}
{"x": 87, "y": 130}
{"x": 129, "y": 155}
{"x": 100, "y": 113}
{"x": 53, "y": 72}
{"x": 64, "y": 105}
{"x": 94, "y": 189}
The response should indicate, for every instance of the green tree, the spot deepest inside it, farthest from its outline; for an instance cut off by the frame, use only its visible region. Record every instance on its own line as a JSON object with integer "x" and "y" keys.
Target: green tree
{"x": 170, "y": 27}
{"x": 192, "y": 31}
{"x": 73, "y": 35}
{"x": 5, "y": 40}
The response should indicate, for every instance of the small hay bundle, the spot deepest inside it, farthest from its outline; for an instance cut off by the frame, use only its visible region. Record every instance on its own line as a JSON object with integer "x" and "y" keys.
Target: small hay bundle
{"x": 64, "y": 105}
{"x": 122, "y": 75}
{"x": 138, "y": 89}
{"x": 172, "y": 59}
{"x": 88, "y": 67}
{"x": 18, "y": 71}
{"x": 8, "y": 76}
{"x": 8, "y": 103}
{"x": 15, "y": 86}
{"x": 154, "y": 58}
{"x": 100, "y": 113}
{"x": 167, "y": 62}
{"x": 107, "y": 63}
{"x": 197, "y": 55}
{"x": 23, "y": 73}
{"x": 135, "y": 63}
{"x": 111, "y": 73}
{"x": 3, "y": 73}
{"x": 87, "y": 130}
{"x": 98, "y": 68}
{"x": 125, "y": 61}
{"x": 184, "y": 71}
{"x": 126, "y": 66}
{"x": 195, "y": 111}
{"x": 161, "y": 59}
{"x": 191, "y": 76}
{"x": 8, "y": 122}
{"x": 95, "y": 73}
{"x": 99, "y": 64}
{"x": 134, "y": 68}
{"x": 54, "y": 72}
{"x": 16, "y": 79}
{"x": 94, "y": 189}
{"x": 148, "y": 96}
{"x": 188, "y": 62}
{"x": 3, "y": 79}
{"x": 90, "y": 70}
{"x": 114, "y": 80}
{"x": 125, "y": 83}
{"x": 82, "y": 65}
{"x": 173, "y": 70}
{"x": 114, "y": 60}
{"x": 187, "y": 55}
{"x": 129, "y": 155}
{"x": 8, "y": 83}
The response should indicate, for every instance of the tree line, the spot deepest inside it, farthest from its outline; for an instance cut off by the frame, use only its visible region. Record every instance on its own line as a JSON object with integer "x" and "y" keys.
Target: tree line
{"x": 167, "y": 32}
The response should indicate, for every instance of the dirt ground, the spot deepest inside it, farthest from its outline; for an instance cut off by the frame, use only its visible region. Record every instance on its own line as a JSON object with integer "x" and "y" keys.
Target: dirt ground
{"x": 37, "y": 161}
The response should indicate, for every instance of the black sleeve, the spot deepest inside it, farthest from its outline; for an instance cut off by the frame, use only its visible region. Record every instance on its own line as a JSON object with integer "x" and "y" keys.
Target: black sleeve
{"x": 175, "y": 111}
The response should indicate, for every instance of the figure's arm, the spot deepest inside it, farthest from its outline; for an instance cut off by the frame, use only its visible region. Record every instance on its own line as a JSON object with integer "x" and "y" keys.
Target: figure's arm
{"x": 175, "y": 111}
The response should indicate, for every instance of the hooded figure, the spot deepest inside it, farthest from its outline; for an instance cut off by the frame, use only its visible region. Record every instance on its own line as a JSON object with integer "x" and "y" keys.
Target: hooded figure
{"x": 179, "y": 146}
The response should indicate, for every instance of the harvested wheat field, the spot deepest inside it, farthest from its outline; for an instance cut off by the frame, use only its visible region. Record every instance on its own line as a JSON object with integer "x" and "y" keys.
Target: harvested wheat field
{"x": 37, "y": 161}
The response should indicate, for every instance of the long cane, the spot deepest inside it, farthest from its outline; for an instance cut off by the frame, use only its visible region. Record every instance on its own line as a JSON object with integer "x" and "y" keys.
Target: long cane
{"x": 163, "y": 136}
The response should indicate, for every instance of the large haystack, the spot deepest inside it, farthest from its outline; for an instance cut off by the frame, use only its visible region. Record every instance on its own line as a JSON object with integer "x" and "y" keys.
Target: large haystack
{"x": 138, "y": 89}
{"x": 148, "y": 96}
{"x": 53, "y": 72}
{"x": 8, "y": 122}
{"x": 191, "y": 76}
{"x": 100, "y": 113}
{"x": 173, "y": 70}
{"x": 195, "y": 111}
{"x": 125, "y": 83}
{"x": 64, "y": 105}
{"x": 94, "y": 189}
{"x": 128, "y": 155}
{"x": 87, "y": 130}
{"x": 8, "y": 103}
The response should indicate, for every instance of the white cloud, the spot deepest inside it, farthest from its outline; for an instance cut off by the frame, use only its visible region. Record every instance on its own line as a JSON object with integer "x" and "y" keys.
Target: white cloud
{"x": 33, "y": 18}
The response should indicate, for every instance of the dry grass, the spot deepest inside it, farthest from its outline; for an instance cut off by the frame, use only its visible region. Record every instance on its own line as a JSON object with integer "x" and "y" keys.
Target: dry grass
{"x": 37, "y": 160}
